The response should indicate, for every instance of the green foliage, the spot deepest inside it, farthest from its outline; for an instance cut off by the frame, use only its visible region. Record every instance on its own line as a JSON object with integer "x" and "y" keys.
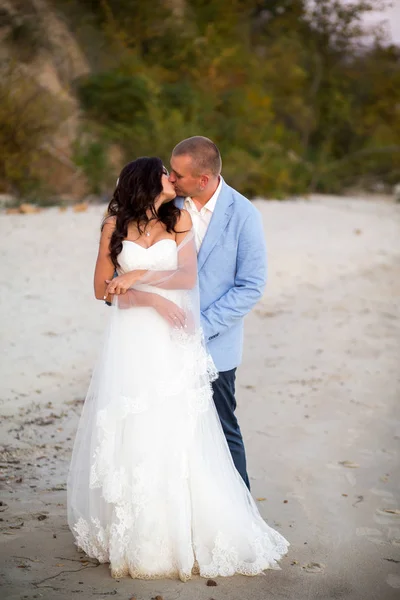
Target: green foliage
{"x": 114, "y": 97}
{"x": 288, "y": 89}
{"x": 91, "y": 156}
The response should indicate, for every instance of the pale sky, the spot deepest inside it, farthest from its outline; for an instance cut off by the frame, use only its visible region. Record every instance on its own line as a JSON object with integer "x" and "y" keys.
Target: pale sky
{"x": 392, "y": 16}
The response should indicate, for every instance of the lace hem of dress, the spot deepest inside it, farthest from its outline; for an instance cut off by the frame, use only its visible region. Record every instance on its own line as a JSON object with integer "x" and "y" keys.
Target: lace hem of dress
{"x": 267, "y": 548}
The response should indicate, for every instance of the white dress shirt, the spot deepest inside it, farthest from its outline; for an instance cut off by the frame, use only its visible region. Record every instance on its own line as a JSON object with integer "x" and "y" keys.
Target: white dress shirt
{"x": 201, "y": 218}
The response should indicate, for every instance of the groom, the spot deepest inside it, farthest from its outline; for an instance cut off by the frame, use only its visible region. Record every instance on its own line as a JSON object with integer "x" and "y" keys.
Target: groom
{"x": 231, "y": 264}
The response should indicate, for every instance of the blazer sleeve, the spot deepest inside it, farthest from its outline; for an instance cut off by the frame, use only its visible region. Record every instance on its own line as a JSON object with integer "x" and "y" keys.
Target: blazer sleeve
{"x": 249, "y": 282}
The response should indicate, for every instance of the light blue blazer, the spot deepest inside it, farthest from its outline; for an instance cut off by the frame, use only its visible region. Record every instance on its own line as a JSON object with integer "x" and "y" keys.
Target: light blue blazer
{"x": 232, "y": 266}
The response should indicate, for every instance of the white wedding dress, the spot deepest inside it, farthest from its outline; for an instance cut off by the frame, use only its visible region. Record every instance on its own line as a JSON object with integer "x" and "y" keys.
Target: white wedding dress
{"x": 152, "y": 487}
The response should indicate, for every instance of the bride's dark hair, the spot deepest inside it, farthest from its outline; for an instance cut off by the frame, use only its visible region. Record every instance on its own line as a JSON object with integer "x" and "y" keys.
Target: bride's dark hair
{"x": 138, "y": 185}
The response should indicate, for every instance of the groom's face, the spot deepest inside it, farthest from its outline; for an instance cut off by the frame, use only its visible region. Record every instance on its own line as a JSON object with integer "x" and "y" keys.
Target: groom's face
{"x": 183, "y": 177}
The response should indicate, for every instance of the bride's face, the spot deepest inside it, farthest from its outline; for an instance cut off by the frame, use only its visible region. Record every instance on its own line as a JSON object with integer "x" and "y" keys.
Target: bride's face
{"x": 168, "y": 192}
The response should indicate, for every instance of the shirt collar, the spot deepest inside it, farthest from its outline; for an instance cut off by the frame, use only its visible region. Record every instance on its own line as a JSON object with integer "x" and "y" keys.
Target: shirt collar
{"x": 210, "y": 205}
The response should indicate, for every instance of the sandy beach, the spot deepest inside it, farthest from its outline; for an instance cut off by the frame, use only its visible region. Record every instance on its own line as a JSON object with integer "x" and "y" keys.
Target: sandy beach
{"x": 318, "y": 395}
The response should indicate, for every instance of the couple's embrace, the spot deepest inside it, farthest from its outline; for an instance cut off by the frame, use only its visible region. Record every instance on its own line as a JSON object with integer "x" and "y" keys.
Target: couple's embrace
{"x": 158, "y": 484}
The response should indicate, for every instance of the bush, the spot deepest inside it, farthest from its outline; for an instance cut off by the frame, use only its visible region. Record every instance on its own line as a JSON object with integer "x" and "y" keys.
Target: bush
{"x": 91, "y": 156}
{"x": 114, "y": 97}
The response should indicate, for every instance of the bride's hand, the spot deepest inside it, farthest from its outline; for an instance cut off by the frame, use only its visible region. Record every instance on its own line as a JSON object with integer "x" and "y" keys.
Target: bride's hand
{"x": 122, "y": 283}
{"x": 170, "y": 311}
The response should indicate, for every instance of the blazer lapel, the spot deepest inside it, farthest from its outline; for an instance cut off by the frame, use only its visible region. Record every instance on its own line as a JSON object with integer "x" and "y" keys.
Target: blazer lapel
{"x": 219, "y": 221}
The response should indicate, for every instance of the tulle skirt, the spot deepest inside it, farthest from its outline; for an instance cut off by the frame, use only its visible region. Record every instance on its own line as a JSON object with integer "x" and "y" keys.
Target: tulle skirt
{"x": 152, "y": 487}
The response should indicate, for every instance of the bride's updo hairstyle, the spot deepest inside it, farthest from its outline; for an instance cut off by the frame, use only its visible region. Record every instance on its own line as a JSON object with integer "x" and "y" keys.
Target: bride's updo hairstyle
{"x": 138, "y": 185}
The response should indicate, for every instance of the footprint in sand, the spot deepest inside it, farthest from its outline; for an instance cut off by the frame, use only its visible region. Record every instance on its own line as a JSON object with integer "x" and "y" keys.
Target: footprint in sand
{"x": 387, "y": 516}
{"x": 395, "y": 541}
{"x": 384, "y": 494}
{"x": 314, "y": 567}
{"x": 372, "y": 535}
{"x": 393, "y": 580}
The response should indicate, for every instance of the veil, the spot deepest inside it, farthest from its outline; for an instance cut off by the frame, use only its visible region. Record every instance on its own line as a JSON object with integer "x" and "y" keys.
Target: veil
{"x": 180, "y": 285}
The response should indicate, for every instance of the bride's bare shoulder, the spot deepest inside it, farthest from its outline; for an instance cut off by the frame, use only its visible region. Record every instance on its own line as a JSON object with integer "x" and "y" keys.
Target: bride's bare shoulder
{"x": 109, "y": 223}
{"x": 184, "y": 222}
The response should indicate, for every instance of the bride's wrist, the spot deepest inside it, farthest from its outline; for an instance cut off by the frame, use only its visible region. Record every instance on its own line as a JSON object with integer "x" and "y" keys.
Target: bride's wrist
{"x": 155, "y": 301}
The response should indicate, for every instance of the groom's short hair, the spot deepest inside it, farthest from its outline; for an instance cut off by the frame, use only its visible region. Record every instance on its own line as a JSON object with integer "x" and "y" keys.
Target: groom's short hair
{"x": 204, "y": 153}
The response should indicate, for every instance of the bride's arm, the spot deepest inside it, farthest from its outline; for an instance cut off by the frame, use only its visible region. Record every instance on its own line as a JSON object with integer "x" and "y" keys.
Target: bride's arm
{"x": 184, "y": 277}
{"x": 170, "y": 311}
{"x": 104, "y": 267}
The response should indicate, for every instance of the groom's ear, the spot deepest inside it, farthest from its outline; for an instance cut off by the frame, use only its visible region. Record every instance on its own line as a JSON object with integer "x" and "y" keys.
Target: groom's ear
{"x": 204, "y": 179}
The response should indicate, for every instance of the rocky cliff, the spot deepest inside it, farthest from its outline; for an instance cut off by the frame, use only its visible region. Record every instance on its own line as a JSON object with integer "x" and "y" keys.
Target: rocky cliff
{"x": 40, "y": 59}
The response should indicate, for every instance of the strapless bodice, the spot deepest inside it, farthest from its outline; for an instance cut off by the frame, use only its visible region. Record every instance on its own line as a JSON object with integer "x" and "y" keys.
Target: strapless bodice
{"x": 161, "y": 256}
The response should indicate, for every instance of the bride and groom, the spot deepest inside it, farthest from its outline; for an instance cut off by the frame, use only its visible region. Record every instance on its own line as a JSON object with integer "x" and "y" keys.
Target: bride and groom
{"x": 158, "y": 484}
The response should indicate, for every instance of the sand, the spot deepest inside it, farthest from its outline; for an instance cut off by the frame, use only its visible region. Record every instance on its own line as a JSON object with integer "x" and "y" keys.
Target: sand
{"x": 318, "y": 395}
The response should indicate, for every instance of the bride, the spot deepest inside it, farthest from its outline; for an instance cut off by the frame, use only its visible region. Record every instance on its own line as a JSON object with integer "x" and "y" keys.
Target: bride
{"x": 152, "y": 487}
